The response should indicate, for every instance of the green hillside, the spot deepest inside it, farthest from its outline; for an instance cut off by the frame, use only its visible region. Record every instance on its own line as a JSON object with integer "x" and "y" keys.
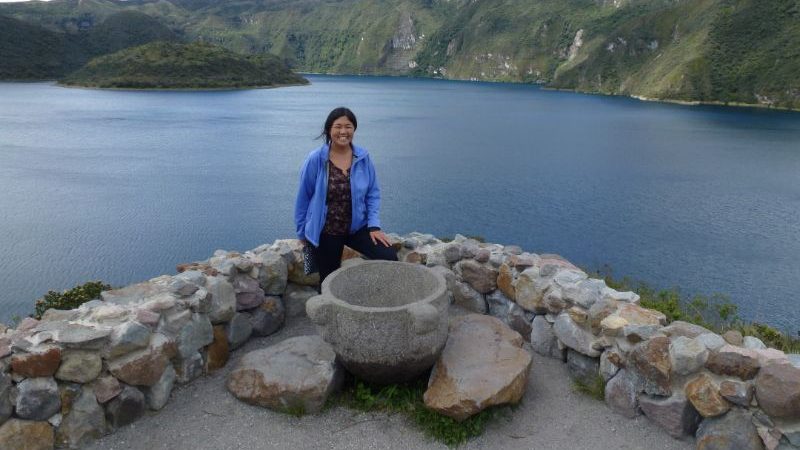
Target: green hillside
{"x": 169, "y": 65}
{"x": 739, "y": 51}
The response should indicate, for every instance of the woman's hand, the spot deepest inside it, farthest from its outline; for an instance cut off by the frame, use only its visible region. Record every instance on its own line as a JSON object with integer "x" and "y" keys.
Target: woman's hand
{"x": 378, "y": 236}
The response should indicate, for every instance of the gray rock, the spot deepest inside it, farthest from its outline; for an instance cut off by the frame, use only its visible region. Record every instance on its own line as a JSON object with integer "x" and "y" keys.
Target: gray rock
{"x": 79, "y": 366}
{"x": 732, "y": 431}
{"x": 686, "y": 329}
{"x": 85, "y": 422}
{"x": 238, "y": 330}
{"x": 636, "y": 333}
{"x": 126, "y": 407}
{"x": 274, "y": 273}
{"x": 733, "y": 337}
{"x": 778, "y": 390}
{"x": 794, "y": 359}
{"x": 199, "y": 302}
{"x": 712, "y": 341}
{"x": 499, "y": 306}
{"x": 295, "y": 298}
{"x": 675, "y": 414}
{"x": 128, "y": 337}
{"x": 37, "y": 398}
{"x": 189, "y": 369}
{"x": 6, "y": 405}
{"x": 298, "y": 373}
{"x": 195, "y": 335}
{"x": 586, "y": 293}
{"x": 753, "y": 342}
{"x": 574, "y": 336}
{"x": 269, "y": 317}
{"x": 249, "y": 294}
{"x": 449, "y": 276}
{"x": 182, "y": 287}
{"x": 609, "y": 361}
{"x": 520, "y": 321}
{"x": 482, "y": 278}
{"x": 687, "y": 355}
{"x": 192, "y": 276}
{"x": 582, "y": 368}
{"x": 468, "y": 298}
{"x": 452, "y": 252}
{"x": 157, "y": 395}
{"x": 26, "y": 435}
{"x": 543, "y": 339}
{"x": 621, "y": 395}
{"x": 173, "y": 322}
{"x": 80, "y": 336}
{"x": 736, "y": 392}
{"x": 223, "y": 299}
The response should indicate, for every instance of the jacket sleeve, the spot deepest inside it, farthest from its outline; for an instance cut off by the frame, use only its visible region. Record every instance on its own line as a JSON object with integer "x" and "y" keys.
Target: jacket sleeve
{"x": 308, "y": 177}
{"x": 373, "y": 198}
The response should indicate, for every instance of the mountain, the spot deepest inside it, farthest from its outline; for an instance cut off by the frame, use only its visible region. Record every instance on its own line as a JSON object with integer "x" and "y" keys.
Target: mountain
{"x": 170, "y": 65}
{"x": 736, "y": 51}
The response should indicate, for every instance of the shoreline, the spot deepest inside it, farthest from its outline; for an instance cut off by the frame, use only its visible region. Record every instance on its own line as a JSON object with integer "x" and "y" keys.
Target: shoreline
{"x": 188, "y": 89}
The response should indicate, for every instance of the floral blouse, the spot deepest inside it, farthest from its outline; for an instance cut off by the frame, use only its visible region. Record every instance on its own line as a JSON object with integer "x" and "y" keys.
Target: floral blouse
{"x": 337, "y": 221}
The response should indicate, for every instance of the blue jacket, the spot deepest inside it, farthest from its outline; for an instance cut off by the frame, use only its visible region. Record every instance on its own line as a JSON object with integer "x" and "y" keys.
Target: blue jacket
{"x": 310, "y": 208}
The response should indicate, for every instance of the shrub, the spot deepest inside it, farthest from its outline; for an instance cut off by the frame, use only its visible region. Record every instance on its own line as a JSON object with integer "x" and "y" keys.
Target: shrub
{"x": 71, "y": 298}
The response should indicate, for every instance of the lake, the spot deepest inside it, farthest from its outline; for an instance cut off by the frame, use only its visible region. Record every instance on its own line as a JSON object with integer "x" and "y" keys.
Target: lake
{"x": 121, "y": 186}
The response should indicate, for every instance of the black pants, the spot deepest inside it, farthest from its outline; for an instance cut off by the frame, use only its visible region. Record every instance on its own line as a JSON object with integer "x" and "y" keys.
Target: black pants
{"x": 329, "y": 252}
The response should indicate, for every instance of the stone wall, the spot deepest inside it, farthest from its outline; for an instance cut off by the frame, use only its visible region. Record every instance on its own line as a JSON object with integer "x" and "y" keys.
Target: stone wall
{"x": 76, "y": 375}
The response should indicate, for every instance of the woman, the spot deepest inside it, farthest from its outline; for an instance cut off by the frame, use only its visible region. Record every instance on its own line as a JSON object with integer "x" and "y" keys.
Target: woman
{"x": 338, "y": 202}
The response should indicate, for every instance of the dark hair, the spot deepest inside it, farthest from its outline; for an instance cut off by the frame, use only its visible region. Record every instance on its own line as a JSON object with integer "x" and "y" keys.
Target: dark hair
{"x": 335, "y": 114}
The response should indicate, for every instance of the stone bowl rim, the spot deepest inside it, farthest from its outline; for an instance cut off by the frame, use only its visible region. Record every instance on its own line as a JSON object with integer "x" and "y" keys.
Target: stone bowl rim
{"x": 440, "y": 290}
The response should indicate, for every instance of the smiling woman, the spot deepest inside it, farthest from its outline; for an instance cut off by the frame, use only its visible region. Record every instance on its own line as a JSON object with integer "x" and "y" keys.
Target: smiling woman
{"x": 338, "y": 202}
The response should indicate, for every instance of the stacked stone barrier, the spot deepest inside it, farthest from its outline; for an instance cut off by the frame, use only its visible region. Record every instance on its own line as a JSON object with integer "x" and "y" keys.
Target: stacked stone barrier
{"x": 76, "y": 375}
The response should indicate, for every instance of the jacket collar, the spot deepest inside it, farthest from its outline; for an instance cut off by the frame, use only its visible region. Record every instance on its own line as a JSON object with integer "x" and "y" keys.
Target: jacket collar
{"x": 358, "y": 152}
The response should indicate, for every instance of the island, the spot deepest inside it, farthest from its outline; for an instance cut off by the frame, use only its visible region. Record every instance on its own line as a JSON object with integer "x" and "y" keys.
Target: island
{"x": 172, "y": 65}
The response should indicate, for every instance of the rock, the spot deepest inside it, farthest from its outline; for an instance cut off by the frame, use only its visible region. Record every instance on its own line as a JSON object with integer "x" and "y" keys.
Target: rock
{"x": 530, "y": 288}
{"x": 37, "y": 398}
{"x": 147, "y": 317}
{"x": 613, "y": 326}
{"x": 468, "y": 298}
{"x": 578, "y": 315}
{"x": 195, "y": 335}
{"x": 610, "y": 363}
{"x": 85, "y": 422}
{"x": 778, "y": 390}
{"x": 794, "y": 359}
{"x": 733, "y": 337}
{"x": 297, "y": 373}
{"x": 182, "y": 287}
{"x": 80, "y": 366}
{"x": 269, "y": 317}
{"x": 173, "y": 323}
{"x": 160, "y": 302}
{"x": 554, "y": 301}
{"x": 651, "y": 360}
{"x": 219, "y": 351}
{"x": 26, "y": 435}
{"x": 274, "y": 273}
{"x": 68, "y": 393}
{"x": 189, "y": 369}
{"x": 195, "y": 277}
{"x": 520, "y": 320}
{"x": 685, "y": 329}
{"x": 128, "y": 337}
{"x": 768, "y": 356}
{"x": 602, "y": 309}
{"x": 238, "y": 331}
{"x": 482, "y": 278}
{"x": 452, "y": 252}
{"x": 295, "y": 298}
{"x": 736, "y": 392}
{"x": 223, "y": 299}
{"x": 582, "y": 368}
{"x": 6, "y": 405}
{"x": 753, "y": 342}
{"x": 199, "y": 302}
{"x": 249, "y": 294}
{"x": 483, "y": 364}
{"x": 41, "y": 362}
{"x": 733, "y": 431}
{"x": 637, "y": 315}
{"x": 712, "y": 341}
{"x": 675, "y": 414}
{"x": 125, "y": 408}
{"x": 137, "y": 293}
{"x": 734, "y": 361}
{"x": 638, "y": 333}
{"x": 543, "y": 339}
{"x": 505, "y": 281}
{"x": 687, "y": 355}
{"x": 157, "y": 395}
{"x": 587, "y": 293}
{"x": 705, "y": 397}
{"x": 574, "y": 336}
{"x": 620, "y": 394}
{"x": 140, "y": 368}
{"x": 105, "y": 388}
{"x": 482, "y": 256}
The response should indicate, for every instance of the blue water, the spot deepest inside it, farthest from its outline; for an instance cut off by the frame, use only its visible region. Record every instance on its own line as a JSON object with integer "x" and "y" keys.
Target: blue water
{"x": 121, "y": 186}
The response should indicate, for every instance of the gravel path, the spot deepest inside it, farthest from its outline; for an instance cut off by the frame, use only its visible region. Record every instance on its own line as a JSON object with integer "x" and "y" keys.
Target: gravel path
{"x": 204, "y": 415}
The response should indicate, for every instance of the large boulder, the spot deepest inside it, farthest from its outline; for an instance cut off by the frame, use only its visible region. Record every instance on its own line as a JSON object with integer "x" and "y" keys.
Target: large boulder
{"x": 126, "y": 407}
{"x": 778, "y": 390}
{"x": 675, "y": 414}
{"x": 296, "y": 374}
{"x": 274, "y": 273}
{"x": 543, "y": 339}
{"x": 26, "y": 435}
{"x": 481, "y": 277}
{"x": 733, "y": 431}
{"x": 620, "y": 394}
{"x": 37, "y": 398}
{"x": 483, "y": 364}
{"x": 575, "y": 337}
{"x": 157, "y": 395}
{"x": 269, "y": 317}
{"x": 734, "y": 361}
{"x": 80, "y": 366}
{"x": 651, "y": 360}
{"x": 687, "y": 355}
{"x": 223, "y": 299}
{"x": 85, "y": 421}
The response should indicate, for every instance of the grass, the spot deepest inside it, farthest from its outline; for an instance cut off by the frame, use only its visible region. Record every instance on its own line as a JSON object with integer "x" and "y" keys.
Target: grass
{"x": 595, "y": 389}
{"x": 715, "y": 312}
{"x": 407, "y": 399}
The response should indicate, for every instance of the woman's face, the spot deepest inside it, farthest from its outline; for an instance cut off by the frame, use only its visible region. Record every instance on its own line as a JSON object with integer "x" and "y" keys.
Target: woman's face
{"x": 342, "y": 131}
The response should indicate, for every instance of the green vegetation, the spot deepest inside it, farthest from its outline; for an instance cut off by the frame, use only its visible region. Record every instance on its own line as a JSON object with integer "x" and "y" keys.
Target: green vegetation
{"x": 595, "y": 389}
{"x": 714, "y": 312}
{"x": 726, "y": 51}
{"x": 71, "y": 298}
{"x": 407, "y": 399}
{"x": 167, "y": 65}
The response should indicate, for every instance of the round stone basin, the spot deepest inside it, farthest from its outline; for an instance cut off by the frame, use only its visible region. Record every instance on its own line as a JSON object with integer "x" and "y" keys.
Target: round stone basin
{"x": 386, "y": 320}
